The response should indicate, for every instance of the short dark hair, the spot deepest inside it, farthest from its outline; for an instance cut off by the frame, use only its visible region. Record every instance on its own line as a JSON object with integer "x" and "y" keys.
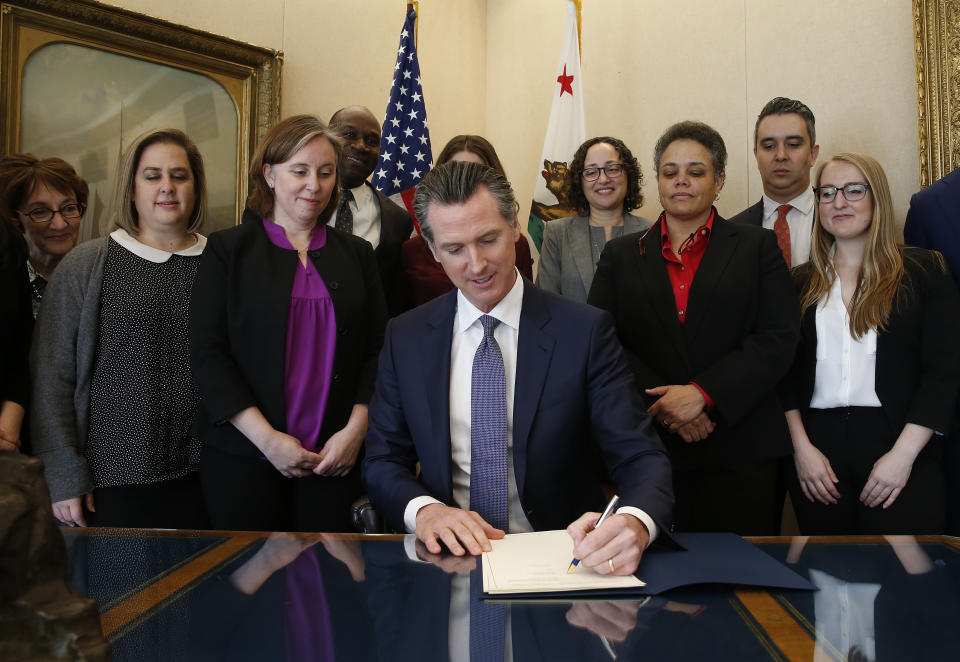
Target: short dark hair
{"x": 699, "y": 132}
{"x": 456, "y": 182}
{"x": 21, "y": 174}
{"x": 574, "y": 182}
{"x": 284, "y": 140}
{"x": 475, "y": 145}
{"x": 783, "y": 106}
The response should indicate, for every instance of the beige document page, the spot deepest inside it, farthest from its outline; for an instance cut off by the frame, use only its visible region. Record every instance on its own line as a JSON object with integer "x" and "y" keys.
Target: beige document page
{"x": 537, "y": 563}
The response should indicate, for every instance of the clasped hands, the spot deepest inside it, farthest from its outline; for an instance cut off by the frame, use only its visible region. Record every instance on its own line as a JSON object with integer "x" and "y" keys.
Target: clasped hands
{"x": 620, "y": 539}
{"x": 682, "y": 409}
{"x": 290, "y": 458}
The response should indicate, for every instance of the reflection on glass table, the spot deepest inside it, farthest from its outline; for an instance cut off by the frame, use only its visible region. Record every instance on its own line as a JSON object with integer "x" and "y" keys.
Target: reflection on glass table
{"x": 238, "y": 596}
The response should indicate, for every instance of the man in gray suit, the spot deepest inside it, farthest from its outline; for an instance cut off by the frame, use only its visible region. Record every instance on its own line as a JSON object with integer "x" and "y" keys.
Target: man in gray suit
{"x": 365, "y": 211}
{"x": 784, "y": 143}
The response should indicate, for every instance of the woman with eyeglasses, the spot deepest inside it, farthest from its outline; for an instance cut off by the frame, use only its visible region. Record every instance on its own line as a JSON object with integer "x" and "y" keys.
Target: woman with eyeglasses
{"x": 708, "y": 317}
{"x": 603, "y": 181}
{"x": 875, "y": 379}
{"x": 46, "y": 199}
{"x": 113, "y": 396}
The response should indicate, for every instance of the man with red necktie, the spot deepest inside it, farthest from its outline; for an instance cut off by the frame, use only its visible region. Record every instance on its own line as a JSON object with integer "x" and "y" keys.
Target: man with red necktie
{"x": 786, "y": 149}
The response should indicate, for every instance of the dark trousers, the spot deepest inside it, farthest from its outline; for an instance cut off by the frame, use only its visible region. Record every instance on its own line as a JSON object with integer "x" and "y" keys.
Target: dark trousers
{"x": 853, "y": 439}
{"x": 249, "y": 494}
{"x": 741, "y": 499}
{"x": 171, "y": 504}
{"x": 951, "y": 474}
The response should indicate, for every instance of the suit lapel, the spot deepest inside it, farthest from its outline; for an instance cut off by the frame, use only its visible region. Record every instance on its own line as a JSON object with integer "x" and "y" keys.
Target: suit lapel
{"x": 720, "y": 250}
{"x": 657, "y": 289}
{"x": 582, "y": 251}
{"x": 534, "y": 353}
{"x": 434, "y": 359}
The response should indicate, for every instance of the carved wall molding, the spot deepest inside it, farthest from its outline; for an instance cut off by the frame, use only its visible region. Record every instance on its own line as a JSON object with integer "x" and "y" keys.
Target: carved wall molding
{"x": 937, "y": 55}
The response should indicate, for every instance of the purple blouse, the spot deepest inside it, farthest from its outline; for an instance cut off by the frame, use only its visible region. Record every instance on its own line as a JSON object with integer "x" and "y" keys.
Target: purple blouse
{"x": 311, "y": 341}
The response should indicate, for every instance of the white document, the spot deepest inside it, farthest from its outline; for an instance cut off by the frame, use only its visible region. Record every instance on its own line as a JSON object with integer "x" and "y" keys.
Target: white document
{"x": 537, "y": 563}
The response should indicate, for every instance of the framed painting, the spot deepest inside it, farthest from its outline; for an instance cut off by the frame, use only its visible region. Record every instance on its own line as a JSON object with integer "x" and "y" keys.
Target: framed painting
{"x": 80, "y": 80}
{"x": 937, "y": 51}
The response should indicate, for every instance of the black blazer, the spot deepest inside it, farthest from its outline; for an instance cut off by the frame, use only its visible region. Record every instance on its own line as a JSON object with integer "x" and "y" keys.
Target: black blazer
{"x": 740, "y": 335}
{"x": 752, "y": 215}
{"x": 396, "y": 226}
{"x": 918, "y": 356}
{"x": 16, "y": 313}
{"x": 238, "y": 328}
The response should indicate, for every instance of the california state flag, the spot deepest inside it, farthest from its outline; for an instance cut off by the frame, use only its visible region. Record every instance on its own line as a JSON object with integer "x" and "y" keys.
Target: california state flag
{"x": 565, "y": 133}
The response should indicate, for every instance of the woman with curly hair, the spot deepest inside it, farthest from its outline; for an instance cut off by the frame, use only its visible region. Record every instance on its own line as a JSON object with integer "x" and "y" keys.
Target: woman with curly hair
{"x": 876, "y": 374}
{"x": 604, "y": 181}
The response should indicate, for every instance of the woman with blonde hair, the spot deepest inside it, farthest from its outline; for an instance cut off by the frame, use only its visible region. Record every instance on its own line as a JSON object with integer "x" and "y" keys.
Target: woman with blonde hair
{"x": 877, "y": 370}
{"x": 113, "y": 398}
{"x": 287, "y": 322}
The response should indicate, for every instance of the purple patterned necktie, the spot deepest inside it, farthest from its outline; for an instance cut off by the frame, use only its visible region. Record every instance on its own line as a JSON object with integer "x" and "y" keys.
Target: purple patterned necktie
{"x": 488, "y": 482}
{"x": 488, "y": 430}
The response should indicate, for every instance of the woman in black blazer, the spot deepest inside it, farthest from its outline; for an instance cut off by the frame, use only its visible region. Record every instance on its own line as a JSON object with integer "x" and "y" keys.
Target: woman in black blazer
{"x": 877, "y": 370}
{"x": 287, "y": 323}
{"x": 707, "y": 314}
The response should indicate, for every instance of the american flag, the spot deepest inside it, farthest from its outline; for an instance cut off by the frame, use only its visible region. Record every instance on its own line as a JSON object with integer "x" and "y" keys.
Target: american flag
{"x": 405, "y": 154}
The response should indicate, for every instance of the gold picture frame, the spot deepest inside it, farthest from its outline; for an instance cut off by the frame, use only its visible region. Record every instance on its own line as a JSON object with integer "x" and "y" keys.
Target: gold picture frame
{"x": 937, "y": 53}
{"x": 41, "y": 38}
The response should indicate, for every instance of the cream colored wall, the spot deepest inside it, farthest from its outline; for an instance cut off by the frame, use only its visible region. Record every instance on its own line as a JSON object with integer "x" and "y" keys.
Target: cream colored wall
{"x": 647, "y": 63}
{"x": 338, "y": 53}
{"x": 488, "y": 67}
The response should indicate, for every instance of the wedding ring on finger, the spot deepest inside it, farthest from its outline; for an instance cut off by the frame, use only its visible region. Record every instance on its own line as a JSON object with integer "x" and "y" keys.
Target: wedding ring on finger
{"x": 612, "y": 567}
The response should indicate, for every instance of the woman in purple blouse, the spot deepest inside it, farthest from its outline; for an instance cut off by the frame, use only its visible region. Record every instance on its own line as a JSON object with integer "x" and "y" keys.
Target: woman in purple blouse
{"x": 287, "y": 321}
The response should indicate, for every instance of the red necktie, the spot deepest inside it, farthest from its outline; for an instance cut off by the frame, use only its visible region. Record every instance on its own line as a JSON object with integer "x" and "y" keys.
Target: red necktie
{"x": 783, "y": 232}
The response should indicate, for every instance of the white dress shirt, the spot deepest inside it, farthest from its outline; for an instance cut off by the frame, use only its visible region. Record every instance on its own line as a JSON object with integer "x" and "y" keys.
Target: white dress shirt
{"x": 467, "y": 335}
{"x": 800, "y": 221}
{"x": 846, "y": 367}
{"x": 366, "y": 214}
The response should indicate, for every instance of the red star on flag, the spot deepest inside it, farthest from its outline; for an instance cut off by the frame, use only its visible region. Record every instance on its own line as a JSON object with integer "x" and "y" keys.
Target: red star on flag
{"x": 565, "y": 82}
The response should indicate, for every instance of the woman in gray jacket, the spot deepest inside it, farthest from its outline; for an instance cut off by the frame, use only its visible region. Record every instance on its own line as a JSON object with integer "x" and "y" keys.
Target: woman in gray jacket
{"x": 113, "y": 397}
{"x": 603, "y": 181}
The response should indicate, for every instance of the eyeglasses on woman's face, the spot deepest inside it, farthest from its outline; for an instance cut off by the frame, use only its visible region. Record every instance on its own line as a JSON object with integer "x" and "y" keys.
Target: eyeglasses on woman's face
{"x": 611, "y": 169}
{"x": 851, "y": 192}
{"x": 69, "y": 212}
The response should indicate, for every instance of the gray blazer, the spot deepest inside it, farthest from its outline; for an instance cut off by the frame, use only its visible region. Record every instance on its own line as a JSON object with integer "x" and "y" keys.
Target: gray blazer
{"x": 566, "y": 261}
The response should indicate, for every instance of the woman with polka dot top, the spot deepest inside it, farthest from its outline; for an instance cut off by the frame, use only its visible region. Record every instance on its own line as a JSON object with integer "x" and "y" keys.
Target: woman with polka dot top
{"x": 113, "y": 397}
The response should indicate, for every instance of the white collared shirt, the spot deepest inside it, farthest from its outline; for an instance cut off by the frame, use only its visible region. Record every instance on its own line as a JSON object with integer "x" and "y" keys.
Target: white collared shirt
{"x": 366, "y": 214}
{"x": 800, "y": 221}
{"x": 467, "y": 335}
{"x": 152, "y": 254}
{"x": 846, "y": 367}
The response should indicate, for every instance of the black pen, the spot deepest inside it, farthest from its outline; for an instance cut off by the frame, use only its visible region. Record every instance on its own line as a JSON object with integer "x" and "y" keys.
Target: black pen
{"x": 606, "y": 513}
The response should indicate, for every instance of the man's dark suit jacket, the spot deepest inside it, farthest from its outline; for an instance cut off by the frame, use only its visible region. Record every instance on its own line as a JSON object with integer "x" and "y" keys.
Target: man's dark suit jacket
{"x": 396, "y": 226}
{"x": 572, "y": 384}
{"x": 918, "y": 356}
{"x": 238, "y": 328}
{"x": 738, "y": 341}
{"x": 752, "y": 215}
{"x": 933, "y": 220}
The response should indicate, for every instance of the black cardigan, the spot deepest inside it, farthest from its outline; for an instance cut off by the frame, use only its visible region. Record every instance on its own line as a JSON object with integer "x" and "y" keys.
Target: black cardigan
{"x": 238, "y": 328}
{"x": 918, "y": 355}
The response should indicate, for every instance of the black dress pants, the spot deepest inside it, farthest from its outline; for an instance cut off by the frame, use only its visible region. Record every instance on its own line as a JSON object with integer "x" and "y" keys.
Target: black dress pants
{"x": 249, "y": 494}
{"x": 853, "y": 439}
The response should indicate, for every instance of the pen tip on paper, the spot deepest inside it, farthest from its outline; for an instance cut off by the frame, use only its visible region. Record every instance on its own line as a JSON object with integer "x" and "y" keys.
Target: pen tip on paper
{"x": 573, "y": 566}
